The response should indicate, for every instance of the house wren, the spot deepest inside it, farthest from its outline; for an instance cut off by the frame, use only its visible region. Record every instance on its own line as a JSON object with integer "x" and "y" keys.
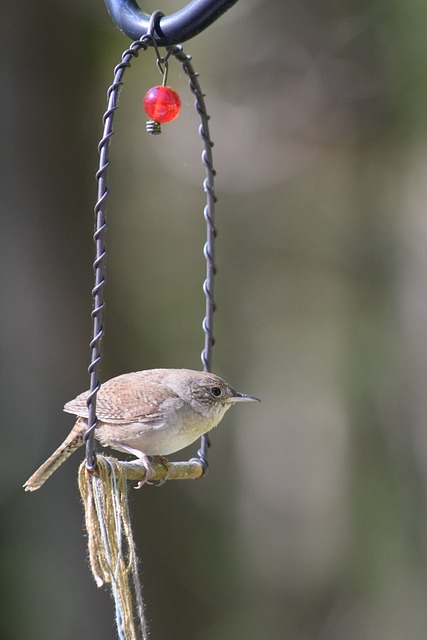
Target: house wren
{"x": 146, "y": 413}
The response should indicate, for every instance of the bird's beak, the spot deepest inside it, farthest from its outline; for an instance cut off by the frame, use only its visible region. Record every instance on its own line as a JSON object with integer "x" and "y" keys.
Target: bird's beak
{"x": 241, "y": 397}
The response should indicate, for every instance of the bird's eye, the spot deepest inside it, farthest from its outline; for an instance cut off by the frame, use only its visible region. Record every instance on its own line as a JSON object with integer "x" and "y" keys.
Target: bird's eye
{"x": 215, "y": 391}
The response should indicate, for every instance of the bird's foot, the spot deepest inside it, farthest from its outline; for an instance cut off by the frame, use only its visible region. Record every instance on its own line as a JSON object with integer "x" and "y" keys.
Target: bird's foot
{"x": 165, "y": 462}
{"x": 149, "y": 471}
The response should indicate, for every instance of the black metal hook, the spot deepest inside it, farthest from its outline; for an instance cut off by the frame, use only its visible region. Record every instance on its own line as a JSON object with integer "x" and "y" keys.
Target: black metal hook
{"x": 173, "y": 29}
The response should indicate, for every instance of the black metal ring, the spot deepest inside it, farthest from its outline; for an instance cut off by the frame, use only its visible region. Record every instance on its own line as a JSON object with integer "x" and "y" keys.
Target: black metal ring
{"x": 173, "y": 29}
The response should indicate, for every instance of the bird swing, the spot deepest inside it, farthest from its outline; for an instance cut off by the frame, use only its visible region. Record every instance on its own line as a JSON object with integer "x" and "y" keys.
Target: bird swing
{"x": 155, "y": 412}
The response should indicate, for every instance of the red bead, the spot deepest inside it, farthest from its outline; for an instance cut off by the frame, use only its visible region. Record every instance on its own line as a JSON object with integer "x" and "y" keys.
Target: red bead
{"x": 162, "y": 104}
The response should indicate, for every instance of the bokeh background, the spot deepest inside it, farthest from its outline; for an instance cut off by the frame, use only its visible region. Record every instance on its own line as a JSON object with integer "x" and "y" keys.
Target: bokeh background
{"x": 312, "y": 523}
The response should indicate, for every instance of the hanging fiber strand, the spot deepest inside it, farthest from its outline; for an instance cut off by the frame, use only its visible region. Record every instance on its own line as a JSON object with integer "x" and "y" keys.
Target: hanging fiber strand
{"x": 111, "y": 547}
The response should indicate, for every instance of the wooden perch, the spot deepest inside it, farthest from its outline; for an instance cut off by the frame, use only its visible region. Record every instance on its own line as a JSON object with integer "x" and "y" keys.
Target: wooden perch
{"x": 135, "y": 470}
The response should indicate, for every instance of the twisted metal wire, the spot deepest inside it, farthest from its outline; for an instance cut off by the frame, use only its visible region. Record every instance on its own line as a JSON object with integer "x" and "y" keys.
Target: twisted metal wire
{"x": 100, "y": 226}
{"x": 209, "y": 215}
{"x": 100, "y": 251}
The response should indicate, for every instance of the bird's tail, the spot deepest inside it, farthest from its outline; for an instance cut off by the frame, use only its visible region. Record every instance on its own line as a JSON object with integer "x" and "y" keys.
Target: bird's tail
{"x": 73, "y": 441}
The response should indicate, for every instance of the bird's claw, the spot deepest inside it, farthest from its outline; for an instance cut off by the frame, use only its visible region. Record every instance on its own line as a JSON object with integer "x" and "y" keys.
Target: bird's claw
{"x": 150, "y": 472}
{"x": 167, "y": 466}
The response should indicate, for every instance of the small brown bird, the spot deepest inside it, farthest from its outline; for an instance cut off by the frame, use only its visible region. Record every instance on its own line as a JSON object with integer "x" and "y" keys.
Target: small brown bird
{"x": 146, "y": 413}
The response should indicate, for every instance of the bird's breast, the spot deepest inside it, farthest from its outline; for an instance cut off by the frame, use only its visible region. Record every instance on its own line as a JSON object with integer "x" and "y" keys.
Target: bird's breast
{"x": 179, "y": 427}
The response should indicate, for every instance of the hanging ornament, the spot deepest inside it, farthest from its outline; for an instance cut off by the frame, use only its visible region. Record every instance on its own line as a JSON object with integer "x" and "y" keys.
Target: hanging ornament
{"x": 162, "y": 103}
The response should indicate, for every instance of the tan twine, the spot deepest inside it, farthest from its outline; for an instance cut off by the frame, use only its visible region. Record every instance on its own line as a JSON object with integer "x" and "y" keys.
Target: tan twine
{"x": 111, "y": 547}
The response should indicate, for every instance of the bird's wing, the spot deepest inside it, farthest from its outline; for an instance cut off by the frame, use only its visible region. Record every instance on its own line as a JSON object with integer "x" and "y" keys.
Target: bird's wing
{"x": 127, "y": 398}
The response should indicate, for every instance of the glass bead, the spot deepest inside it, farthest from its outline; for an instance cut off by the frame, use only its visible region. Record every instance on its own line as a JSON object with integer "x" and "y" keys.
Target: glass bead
{"x": 162, "y": 104}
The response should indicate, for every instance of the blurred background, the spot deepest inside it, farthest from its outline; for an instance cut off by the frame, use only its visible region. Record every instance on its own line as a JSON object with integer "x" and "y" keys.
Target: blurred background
{"x": 312, "y": 522}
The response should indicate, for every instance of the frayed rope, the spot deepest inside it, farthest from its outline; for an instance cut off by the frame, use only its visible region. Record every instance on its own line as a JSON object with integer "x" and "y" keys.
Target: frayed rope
{"x": 110, "y": 543}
